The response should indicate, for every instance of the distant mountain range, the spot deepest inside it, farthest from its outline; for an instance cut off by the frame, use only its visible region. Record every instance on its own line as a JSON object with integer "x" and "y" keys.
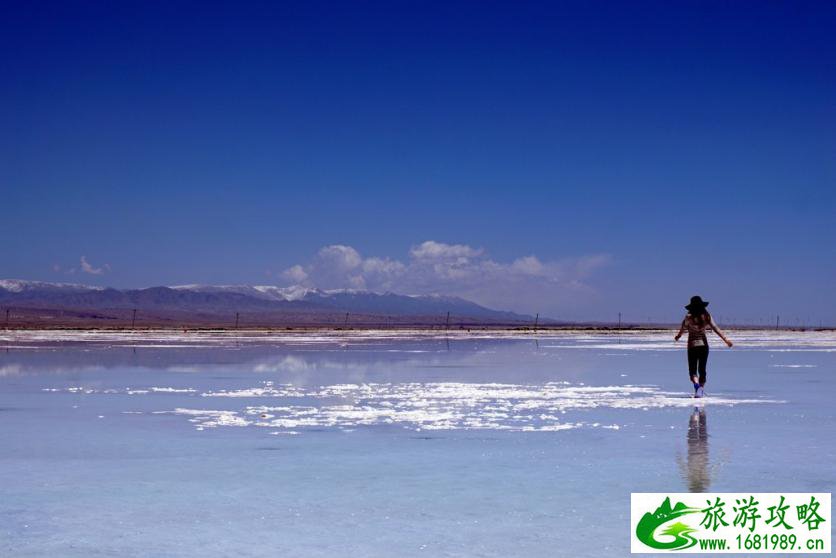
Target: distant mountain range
{"x": 63, "y": 303}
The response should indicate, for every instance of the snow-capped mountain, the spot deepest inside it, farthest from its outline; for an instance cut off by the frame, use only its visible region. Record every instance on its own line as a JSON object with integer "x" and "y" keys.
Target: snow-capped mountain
{"x": 223, "y": 300}
{"x": 266, "y": 292}
{"x": 19, "y": 286}
{"x": 351, "y": 299}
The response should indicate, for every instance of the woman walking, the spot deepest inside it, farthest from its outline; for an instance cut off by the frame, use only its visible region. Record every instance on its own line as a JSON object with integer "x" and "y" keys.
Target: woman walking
{"x": 695, "y": 323}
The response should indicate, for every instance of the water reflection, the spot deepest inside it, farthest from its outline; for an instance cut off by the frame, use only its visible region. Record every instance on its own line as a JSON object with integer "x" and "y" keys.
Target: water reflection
{"x": 697, "y": 469}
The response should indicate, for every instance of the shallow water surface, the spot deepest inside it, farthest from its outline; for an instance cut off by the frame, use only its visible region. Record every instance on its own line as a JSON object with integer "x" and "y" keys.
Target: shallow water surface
{"x": 389, "y": 443}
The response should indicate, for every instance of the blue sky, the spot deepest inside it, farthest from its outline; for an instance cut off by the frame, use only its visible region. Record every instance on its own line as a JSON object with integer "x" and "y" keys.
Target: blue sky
{"x": 639, "y": 152}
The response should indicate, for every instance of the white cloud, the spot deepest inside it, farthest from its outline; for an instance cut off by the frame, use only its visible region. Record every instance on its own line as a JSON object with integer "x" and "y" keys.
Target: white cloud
{"x": 432, "y": 250}
{"x": 86, "y": 267}
{"x": 343, "y": 257}
{"x": 295, "y": 274}
{"x": 526, "y": 284}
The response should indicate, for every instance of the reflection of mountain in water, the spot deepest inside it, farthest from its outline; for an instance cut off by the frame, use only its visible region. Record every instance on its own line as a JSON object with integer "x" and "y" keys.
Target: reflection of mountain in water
{"x": 697, "y": 468}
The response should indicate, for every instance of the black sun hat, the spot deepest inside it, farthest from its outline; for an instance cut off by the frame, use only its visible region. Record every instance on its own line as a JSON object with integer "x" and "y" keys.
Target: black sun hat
{"x": 697, "y": 305}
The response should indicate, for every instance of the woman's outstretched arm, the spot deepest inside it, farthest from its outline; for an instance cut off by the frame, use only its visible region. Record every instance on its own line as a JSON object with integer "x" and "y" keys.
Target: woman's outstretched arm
{"x": 681, "y": 330}
{"x": 720, "y": 333}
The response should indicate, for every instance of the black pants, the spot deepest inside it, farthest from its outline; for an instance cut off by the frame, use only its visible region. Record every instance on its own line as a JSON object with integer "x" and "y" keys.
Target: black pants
{"x": 697, "y": 360}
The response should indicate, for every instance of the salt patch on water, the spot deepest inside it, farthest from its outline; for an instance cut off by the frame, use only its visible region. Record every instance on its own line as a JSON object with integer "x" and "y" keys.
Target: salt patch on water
{"x": 823, "y": 341}
{"x": 207, "y": 418}
{"x": 422, "y": 405}
{"x": 268, "y": 390}
{"x": 128, "y": 391}
{"x": 443, "y": 405}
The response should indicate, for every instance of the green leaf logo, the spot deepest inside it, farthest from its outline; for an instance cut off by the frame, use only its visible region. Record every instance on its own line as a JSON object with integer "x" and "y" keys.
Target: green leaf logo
{"x": 680, "y": 532}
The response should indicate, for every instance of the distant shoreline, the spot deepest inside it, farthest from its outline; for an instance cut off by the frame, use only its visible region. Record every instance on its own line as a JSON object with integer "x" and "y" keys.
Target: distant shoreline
{"x": 496, "y": 328}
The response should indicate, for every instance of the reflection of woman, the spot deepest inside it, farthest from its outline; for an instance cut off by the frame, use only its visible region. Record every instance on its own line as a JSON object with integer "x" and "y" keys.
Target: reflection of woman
{"x": 698, "y": 467}
{"x": 696, "y": 322}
